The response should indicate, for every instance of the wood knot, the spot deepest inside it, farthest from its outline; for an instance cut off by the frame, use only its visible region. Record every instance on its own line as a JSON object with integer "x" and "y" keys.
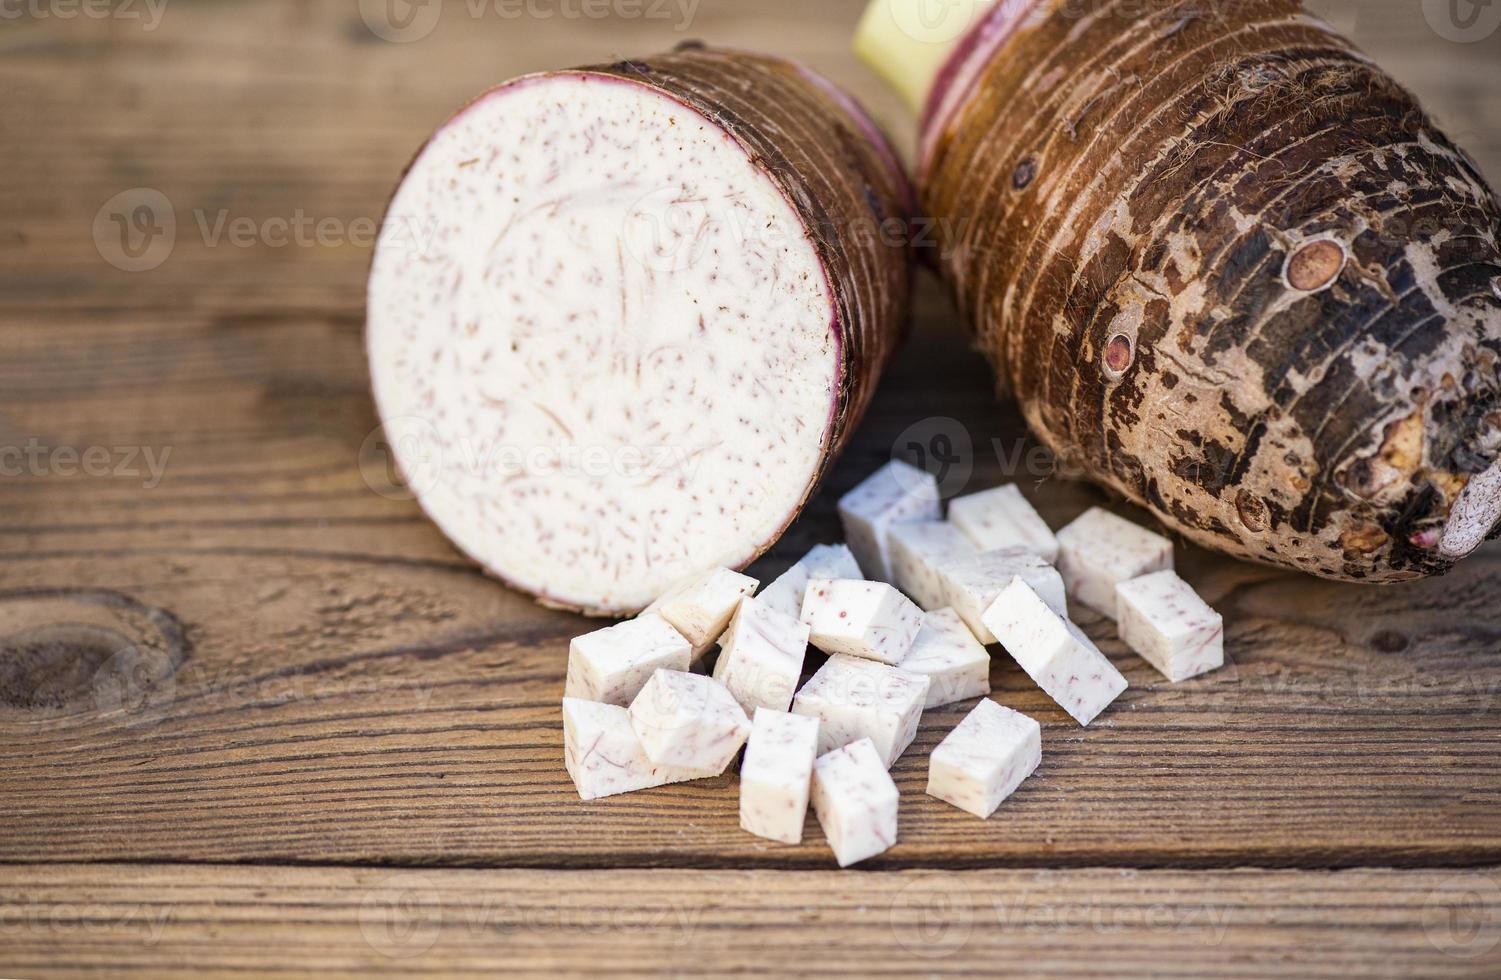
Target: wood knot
{"x": 1120, "y": 352}
{"x": 1388, "y": 641}
{"x": 1315, "y": 266}
{"x": 1024, "y": 174}
{"x": 72, "y": 651}
{"x": 1252, "y": 511}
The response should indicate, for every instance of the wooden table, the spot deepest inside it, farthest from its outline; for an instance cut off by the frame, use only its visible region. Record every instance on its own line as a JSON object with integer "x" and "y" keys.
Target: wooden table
{"x": 256, "y": 714}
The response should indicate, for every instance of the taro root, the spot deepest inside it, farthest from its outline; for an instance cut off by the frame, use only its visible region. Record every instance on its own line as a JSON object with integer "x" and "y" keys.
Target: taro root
{"x": 1225, "y": 264}
{"x": 623, "y": 318}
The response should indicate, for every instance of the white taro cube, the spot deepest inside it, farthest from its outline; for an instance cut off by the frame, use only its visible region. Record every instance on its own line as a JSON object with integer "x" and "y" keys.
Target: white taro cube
{"x": 688, "y": 720}
{"x": 860, "y": 619}
{"x": 1100, "y": 550}
{"x": 613, "y": 664}
{"x": 777, "y": 774}
{"x": 1163, "y": 619}
{"x": 1003, "y": 518}
{"x": 761, "y": 656}
{"x": 947, "y": 653}
{"x": 604, "y": 757}
{"x": 895, "y": 493}
{"x": 854, "y": 699}
{"x": 970, "y": 585}
{"x": 918, "y": 550}
{"x": 984, "y": 759}
{"x": 856, "y": 802}
{"x": 1058, "y": 657}
{"x": 700, "y": 607}
{"x": 785, "y": 593}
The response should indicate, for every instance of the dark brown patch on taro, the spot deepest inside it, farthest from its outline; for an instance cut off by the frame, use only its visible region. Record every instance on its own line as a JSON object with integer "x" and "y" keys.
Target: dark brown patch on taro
{"x": 1211, "y": 469}
{"x": 1252, "y": 511}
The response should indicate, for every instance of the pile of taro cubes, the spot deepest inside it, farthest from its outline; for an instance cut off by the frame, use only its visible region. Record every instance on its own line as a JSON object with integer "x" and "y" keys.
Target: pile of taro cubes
{"x": 904, "y": 611}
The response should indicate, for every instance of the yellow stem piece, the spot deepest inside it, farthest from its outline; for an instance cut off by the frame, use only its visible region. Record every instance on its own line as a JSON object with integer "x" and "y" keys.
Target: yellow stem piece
{"x": 906, "y": 42}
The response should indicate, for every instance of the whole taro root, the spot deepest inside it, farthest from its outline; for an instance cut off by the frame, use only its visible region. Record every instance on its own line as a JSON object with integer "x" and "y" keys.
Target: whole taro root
{"x": 1227, "y": 265}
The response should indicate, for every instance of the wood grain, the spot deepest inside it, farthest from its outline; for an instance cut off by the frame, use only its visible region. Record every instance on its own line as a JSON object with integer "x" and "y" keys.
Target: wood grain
{"x": 352, "y": 691}
{"x": 230, "y": 643}
{"x": 174, "y": 921}
{"x": 271, "y": 112}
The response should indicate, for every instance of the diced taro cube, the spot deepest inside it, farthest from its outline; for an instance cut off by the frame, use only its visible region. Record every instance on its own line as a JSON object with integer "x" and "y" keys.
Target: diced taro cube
{"x": 861, "y": 619}
{"x": 856, "y": 802}
{"x": 947, "y": 653}
{"x": 1054, "y": 652}
{"x": 895, "y": 493}
{"x": 1100, "y": 550}
{"x": 984, "y": 759}
{"x": 777, "y": 774}
{"x": 1163, "y": 619}
{"x": 688, "y": 720}
{"x": 854, "y": 699}
{"x": 1003, "y": 518}
{"x": 970, "y": 585}
{"x": 613, "y": 664}
{"x": 761, "y": 656}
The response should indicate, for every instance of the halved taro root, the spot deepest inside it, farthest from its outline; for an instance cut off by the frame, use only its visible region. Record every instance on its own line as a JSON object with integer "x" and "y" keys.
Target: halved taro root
{"x": 623, "y": 318}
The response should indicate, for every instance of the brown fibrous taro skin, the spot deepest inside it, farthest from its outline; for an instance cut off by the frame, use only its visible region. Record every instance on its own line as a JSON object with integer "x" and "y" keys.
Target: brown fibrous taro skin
{"x": 622, "y": 319}
{"x": 1229, "y": 267}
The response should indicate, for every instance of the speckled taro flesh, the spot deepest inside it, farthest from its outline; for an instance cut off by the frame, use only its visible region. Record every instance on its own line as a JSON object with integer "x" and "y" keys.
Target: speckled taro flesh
{"x": 622, "y": 319}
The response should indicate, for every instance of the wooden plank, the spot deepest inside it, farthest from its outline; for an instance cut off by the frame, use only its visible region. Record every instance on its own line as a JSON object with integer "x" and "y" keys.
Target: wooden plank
{"x": 188, "y": 921}
{"x": 255, "y": 112}
{"x": 247, "y": 112}
{"x": 346, "y": 688}
{"x": 263, "y": 654}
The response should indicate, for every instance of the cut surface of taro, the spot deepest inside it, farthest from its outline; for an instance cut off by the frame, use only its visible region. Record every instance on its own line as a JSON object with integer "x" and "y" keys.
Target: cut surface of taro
{"x": 608, "y": 345}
